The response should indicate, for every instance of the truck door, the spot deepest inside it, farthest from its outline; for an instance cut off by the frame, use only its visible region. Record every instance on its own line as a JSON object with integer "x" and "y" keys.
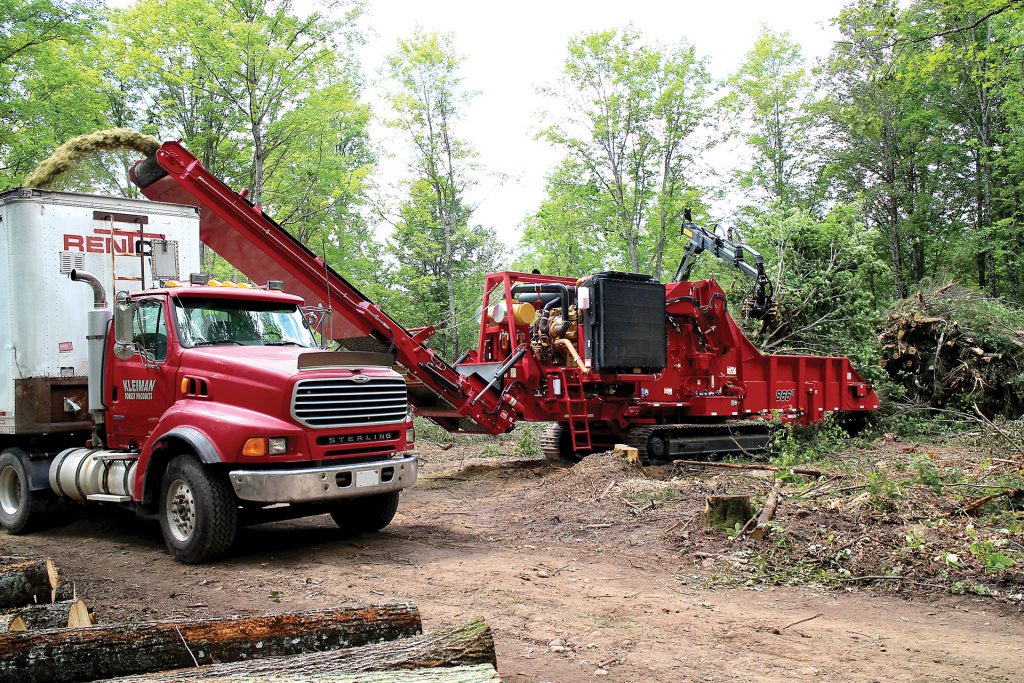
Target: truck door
{"x": 143, "y": 386}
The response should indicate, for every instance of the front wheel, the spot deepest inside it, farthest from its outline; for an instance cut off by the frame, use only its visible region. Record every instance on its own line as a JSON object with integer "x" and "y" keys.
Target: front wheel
{"x": 198, "y": 511}
{"x": 365, "y": 515}
{"x": 20, "y": 507}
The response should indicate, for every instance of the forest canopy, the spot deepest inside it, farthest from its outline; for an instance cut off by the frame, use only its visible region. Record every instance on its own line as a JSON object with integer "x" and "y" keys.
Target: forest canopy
{"x": 893, "y": 163}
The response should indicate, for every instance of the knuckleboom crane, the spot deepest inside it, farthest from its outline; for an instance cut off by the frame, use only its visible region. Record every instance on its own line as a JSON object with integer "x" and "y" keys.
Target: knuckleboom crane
{"x": 607, "y": 358}
{"x": 731, "y": 249}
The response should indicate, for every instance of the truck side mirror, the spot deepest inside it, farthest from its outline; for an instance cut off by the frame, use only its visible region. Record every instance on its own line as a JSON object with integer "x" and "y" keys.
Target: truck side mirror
{"x": 124, "y": 318}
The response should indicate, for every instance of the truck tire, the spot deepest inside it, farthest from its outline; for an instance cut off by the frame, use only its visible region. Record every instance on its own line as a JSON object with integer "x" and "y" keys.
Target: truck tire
{"x": 20, "y": 508}
{"x": 198, "y": 511}
{"x": 366, "y": 515}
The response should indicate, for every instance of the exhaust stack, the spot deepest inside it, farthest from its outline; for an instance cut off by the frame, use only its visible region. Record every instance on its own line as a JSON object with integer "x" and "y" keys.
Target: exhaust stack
{"x": 98, "y": 322}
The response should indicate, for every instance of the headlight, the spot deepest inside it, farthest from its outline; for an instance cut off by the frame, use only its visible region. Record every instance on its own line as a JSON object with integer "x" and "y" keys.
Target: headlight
{"x": 277, "y": 445}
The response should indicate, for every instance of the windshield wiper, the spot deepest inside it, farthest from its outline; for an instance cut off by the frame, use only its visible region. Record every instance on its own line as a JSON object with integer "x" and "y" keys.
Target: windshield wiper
{"x": 284, "y": 343}
{"x": 210, "y": 342}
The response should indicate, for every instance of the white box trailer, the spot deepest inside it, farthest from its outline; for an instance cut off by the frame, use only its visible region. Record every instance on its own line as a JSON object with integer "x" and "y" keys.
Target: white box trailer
{"x": 43, "y": 313}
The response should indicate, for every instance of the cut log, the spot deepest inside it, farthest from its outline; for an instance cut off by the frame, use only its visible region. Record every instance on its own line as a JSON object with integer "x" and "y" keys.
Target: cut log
{"x": 12, "y": 623}
{"x": 727, "y": 513}
{"x": 26, "y": 582}
{"x": 478, "y": 673}
{"x": 470, "y": 643}
{"x": 87, "y": 654}
{"x": 66, "y": 614}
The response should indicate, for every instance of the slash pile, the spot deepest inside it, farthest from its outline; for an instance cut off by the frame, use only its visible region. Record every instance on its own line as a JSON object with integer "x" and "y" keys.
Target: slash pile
{"x": 952, "y": 347}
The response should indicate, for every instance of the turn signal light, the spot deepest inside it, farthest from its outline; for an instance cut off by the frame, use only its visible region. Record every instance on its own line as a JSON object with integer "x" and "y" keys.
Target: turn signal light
{"x": 255, "y": 447}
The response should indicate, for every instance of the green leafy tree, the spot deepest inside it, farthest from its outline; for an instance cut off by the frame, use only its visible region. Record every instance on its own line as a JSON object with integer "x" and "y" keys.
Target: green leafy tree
{"x": 266, "y": 97}
{"x": 441, "y": 255}
{"x": 770, "y": 95}
{"x": 633, "y": 112}
{"x": 51, "y": 87}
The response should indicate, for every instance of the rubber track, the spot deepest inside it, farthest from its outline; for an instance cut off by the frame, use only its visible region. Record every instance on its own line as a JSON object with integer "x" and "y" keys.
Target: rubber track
{"x": 638, "y": 437}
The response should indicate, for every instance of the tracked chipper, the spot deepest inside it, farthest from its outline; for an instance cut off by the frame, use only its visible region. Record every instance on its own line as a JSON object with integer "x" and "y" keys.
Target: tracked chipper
{"x": 610, "y": 357}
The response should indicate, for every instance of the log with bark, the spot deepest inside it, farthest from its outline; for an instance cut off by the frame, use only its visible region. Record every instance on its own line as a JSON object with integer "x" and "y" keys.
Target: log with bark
{"x": 65, "y": 614}
{"x": 470, "y": 643}
{"x": 477, "y": 673}
{"x": 27, "y": 581}
{"x": 87, "y": 654}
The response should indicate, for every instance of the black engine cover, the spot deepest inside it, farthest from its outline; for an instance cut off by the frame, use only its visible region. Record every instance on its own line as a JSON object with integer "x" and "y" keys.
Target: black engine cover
{"x": 624, "y": 328}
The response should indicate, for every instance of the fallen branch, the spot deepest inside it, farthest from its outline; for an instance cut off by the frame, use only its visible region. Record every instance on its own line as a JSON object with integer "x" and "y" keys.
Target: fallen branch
{"x": 771, "y": 505}
{"x": 1009, "y": 493}
{"x": 992, "y": 425}
{"x": 778, "y": 631}
{"x": 478, "y": 673}
{"x": 753, "y": 466}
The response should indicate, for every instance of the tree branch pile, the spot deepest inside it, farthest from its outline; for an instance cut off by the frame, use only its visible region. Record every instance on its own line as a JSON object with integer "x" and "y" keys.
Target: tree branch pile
{"x": 952, "y": 347}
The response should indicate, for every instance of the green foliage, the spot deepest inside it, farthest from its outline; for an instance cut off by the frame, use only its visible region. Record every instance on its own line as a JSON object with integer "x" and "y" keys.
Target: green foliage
{"x": 50, "y": 79}
{"x": 631, "y": 133}
{"x": 441, "y": 256}
{"x": 988, "y": 551}
{"x": 769, "y": 94}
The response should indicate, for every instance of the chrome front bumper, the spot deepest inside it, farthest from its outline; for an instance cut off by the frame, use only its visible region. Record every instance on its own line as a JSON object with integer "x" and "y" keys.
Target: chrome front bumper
{"x": 325, "y": 483}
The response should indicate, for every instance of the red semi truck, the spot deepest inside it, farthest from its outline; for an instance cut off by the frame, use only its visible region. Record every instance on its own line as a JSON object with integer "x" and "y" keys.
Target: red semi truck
{"x": 206, "y": 403}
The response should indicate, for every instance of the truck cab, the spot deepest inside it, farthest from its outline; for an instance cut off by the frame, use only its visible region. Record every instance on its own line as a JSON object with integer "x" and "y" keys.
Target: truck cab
{"x": 210, "y": 404}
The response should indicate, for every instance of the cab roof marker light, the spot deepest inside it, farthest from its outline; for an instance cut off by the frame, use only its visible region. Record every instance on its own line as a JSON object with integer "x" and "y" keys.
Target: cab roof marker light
{"x": 214, "y": 283}
{"x": 172, "y": 283}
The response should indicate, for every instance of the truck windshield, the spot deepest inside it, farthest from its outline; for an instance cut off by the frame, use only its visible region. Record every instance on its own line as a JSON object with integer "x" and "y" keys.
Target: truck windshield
{"x": 205, "y": 322}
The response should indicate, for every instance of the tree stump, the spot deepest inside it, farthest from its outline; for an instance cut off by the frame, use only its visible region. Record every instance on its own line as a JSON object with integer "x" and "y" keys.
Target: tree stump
{"x": 728, "y": 513}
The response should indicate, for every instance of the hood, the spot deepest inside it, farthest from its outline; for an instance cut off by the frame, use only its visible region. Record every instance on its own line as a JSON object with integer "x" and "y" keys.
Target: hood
{"x": 250, "y": 362}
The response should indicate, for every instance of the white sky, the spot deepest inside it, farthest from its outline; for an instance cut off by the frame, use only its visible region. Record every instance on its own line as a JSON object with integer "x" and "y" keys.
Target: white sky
{"x": 512, "y": 48}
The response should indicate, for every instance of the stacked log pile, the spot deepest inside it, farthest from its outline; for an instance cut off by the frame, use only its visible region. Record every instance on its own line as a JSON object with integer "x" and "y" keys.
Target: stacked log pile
{"x": 43, "y": 638}
{"x": 952, "y": 347}
{"x": 32, "y": 596}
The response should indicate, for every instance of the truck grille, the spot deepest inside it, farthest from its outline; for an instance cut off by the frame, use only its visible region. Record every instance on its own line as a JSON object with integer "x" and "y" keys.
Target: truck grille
{"x": 345, "y": 403}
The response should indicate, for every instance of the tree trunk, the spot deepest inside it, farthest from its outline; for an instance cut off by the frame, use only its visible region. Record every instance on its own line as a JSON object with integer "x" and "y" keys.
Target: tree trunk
{"x": 24, "y": 582}
{"x": 479, "y": 673}
{"x": 67, "y": 614}
{"x": 468, "y": 644}
{"x": 86, "y": 654}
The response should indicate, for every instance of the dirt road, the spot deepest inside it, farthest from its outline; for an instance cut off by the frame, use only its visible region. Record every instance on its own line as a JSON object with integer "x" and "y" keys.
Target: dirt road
{"x": 569, "y": 600}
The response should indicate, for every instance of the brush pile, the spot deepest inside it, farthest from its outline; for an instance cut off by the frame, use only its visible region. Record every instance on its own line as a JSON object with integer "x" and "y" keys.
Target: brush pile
{"x": 952, "y": 347}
